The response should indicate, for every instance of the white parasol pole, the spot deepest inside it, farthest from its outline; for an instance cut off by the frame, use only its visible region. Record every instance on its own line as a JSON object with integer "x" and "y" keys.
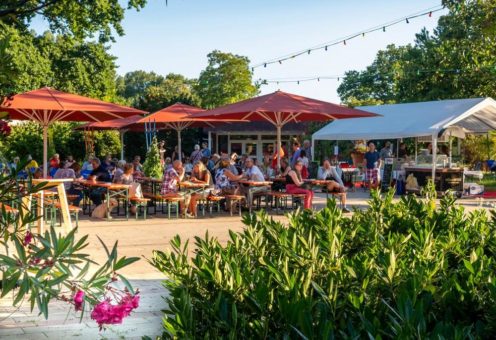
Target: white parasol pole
{"x": 179, "y": 144}
{"x": 122, "y": 143}
{"x": 45, "y": 150}
{"x": 279, "y": 146}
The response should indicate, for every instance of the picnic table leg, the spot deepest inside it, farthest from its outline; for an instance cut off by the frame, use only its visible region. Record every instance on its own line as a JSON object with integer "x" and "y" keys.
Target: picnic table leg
{"x": 40, "y": 212}
{"x": 108, "y": 204}
{"x": 127, "y": 204}
{"x": 64, "y": 208}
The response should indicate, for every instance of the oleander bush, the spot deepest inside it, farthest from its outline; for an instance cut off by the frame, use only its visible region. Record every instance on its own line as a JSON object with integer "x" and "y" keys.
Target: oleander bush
{"x": 404, "y": 269}
{"x": 39, "y": 268}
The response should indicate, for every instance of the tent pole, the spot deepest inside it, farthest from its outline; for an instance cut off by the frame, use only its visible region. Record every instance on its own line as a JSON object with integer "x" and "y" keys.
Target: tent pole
{"x": 279, "y": 146}
{"x": 179, "y": 144}
{"x": 210, "y": 140}
{"x": 313, "y": 149}
{"x": 450, "y": 151}
{"x": 416, "y": 151}
{"x": 434, "y": 157}
{"x": 45, "y": 150}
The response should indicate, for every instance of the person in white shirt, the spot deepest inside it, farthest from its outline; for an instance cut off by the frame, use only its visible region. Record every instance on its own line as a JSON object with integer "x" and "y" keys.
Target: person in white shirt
{"x": 336, "y": 186}
{"x": 253, "y": 173}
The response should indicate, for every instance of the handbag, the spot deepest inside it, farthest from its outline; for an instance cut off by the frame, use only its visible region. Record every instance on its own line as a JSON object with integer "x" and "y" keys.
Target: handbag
{"x": 306, "y": 186}
{"x": 135, "y": 190}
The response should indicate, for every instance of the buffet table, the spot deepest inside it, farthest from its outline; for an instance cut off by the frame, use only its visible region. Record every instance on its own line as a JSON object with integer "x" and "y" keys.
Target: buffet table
{"x": 445, "y": 179}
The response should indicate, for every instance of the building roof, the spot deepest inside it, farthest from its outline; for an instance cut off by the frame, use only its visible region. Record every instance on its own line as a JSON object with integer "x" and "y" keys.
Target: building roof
{"x": 474, "y": 115}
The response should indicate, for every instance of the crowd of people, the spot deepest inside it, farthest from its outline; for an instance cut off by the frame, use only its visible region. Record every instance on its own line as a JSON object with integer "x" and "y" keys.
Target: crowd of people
{"x": 221, "y": 174}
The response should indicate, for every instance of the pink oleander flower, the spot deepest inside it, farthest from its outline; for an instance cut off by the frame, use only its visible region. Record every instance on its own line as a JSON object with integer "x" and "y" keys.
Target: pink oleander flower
{"x": 28, "y": 238}
{"x": 105, "y": 313}
{"x": 78, "y": 300}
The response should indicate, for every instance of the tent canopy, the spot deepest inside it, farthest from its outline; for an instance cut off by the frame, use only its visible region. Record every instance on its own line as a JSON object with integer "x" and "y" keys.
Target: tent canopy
{"x": 474, "y": 115}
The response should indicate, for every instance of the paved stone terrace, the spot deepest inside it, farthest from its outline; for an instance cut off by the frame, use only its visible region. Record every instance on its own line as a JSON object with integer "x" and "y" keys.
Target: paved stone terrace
{"x": 136, "y": 238}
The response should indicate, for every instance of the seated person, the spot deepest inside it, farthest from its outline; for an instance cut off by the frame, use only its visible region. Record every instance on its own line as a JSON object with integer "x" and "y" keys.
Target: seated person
{"x": 170, "y": 185}
{"x": 253, "y": 173}
{"x": 138, "y": 167}
{"x": 225, "y": 180}
{"x": 402, "y": 152}
{"x": 127, "y": 174}
{"x": 119, "y": 171}
{"x": 295, "y": 185}
{"x": 32, "y": 165}
{"x": 280, "y": 183}
{"x": 65, "y": 171}
{"x": 328, "y": 172}
{"x": 199, "y": 174}
{"x": 98, "y": 174}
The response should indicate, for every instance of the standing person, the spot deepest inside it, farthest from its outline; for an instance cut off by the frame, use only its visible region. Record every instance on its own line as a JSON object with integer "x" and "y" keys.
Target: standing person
{"x": 253, "y": 173}
{"x": 305, "y": 161}
{"x": 402, "y": 152}
{"x": 175, "y": 154}
{"x": 295, "y": 185}
{"x": 329, "y": 173}
{"x": 281, "y": 152}
{"x": 162, "y": 151}
{"x": 205, "y": 150}
{"x": 386, "y": 151}
{"x": 372, "y": 164}
{"x": 296, "y": 153}
{"x": 170, "y": 185}
{"x": 307, "y": 147}
{"x": 196, "y": 155}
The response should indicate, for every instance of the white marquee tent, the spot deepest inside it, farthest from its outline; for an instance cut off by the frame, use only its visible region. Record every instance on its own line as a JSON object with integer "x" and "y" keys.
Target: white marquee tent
{"x": 474, "y": 115}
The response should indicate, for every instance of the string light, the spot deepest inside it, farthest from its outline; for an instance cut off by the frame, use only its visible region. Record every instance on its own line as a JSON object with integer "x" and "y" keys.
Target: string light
{"x": 427, "y": 12}
{"x": 392, "y": 74}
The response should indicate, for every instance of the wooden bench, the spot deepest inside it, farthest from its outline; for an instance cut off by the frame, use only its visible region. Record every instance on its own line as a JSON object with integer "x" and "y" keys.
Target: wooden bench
{"x": 233, "y": 200}
{"x": 140, "y": 202}
{"x": 73, "y": 210}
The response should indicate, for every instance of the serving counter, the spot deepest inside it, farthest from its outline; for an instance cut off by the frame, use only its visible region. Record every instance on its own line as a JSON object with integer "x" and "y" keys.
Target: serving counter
{"x": 445, "y": 178}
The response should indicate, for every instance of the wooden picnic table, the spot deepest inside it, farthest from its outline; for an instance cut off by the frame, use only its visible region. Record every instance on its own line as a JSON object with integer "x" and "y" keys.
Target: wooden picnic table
{"x": 40, "y": 197}
{"x": 255, "y": 183}
{"x": 113, "y": 190}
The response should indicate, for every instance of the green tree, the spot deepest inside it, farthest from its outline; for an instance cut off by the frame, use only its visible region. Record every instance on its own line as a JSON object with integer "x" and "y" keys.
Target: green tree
{"x": 81, "y": 19}
{"x": 226, "y": 79}
{"x": 172, "y": 89}
{"x": 134, "y": 84}
{"x": 456, "y": 61}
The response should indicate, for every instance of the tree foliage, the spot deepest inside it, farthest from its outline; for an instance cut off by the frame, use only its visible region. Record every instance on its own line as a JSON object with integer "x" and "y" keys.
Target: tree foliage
{"x": 226, "y": 79}
{"x": 81, "y": 19}
{"x": 457, "y": 60}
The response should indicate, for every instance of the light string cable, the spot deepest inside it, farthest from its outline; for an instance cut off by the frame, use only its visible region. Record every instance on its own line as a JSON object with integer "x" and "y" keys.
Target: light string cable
{"x": 343, "y": 40}
{"x": 377, "y": 77}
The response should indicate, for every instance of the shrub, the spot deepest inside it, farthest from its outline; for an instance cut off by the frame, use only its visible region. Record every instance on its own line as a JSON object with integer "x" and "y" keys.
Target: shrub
{"x": 40, "y": 268}
{"x": 152, "y": 166}
{"x": 395, "y": 270}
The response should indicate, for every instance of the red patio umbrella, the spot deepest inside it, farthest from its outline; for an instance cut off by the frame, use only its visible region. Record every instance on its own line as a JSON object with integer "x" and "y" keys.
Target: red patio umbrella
{"x": 47, "y": 105}
{"x": 121, "y": 124}
{"x": 179, "y": 117}
{"x": 280, "y": 108}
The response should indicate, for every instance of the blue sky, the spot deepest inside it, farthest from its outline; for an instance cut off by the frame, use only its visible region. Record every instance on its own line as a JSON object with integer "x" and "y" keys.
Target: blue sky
{"x": 177, "y": 37}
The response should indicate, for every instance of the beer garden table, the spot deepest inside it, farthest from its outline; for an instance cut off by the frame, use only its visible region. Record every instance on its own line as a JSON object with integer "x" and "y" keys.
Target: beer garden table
{"x": 112, "y": 190}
